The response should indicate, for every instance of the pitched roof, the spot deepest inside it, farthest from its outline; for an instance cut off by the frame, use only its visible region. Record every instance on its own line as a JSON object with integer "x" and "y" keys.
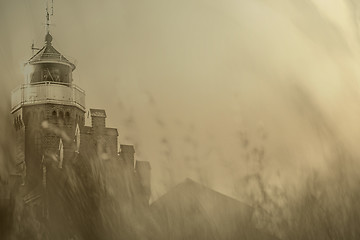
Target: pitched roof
{"x": 48, "y": 54}
{"x": 191, "y": 190}
{"x": 193, "y": 211}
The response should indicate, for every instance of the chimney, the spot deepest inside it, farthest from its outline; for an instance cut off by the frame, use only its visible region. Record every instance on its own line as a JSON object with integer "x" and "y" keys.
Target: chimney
{"x": 127, "y": 153}
{"x": 143, "y": 172}
{"x": 98, "y": 118}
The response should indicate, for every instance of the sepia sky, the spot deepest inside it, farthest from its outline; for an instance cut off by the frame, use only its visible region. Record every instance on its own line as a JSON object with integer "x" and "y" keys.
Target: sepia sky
{"x": 186, "y": 81}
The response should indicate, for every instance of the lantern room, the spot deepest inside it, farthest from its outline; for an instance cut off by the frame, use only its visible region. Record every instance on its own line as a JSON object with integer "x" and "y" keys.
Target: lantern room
{"x": 48, "y": 65}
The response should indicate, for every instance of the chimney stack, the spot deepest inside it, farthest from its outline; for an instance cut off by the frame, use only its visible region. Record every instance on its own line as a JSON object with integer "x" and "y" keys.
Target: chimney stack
{"x": 143, "y": 172}
{"x": 98, "y": 118}
{"x": 127, "y": 153}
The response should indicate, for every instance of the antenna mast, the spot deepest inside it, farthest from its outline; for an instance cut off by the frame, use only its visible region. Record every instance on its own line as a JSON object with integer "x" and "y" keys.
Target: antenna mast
{"x": 47, "y": 24}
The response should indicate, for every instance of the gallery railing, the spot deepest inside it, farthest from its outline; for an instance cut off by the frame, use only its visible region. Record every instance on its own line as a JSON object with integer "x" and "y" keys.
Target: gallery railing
{"x": 47, "y": 92}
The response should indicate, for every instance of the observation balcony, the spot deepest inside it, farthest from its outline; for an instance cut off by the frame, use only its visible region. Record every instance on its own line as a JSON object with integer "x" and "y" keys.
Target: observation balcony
{"x": 47, "y": 92}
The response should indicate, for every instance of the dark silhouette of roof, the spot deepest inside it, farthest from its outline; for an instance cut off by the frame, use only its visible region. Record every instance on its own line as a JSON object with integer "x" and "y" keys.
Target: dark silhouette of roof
{"x": 193, "y": 191}
{"x": 193, "y": 211}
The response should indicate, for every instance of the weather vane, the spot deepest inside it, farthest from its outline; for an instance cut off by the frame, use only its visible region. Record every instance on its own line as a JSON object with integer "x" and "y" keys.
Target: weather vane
{"x": 47, "y": 23}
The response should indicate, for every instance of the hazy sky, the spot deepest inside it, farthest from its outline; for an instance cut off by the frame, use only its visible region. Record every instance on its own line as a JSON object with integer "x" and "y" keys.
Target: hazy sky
{"x": 184, "y": 80}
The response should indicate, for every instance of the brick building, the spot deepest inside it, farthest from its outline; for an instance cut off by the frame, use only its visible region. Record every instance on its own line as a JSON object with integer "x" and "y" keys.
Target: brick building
{"x": 61, "y": 163}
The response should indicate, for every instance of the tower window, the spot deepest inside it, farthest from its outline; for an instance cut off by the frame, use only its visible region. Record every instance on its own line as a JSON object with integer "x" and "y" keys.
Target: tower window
{"x": 55, "y": 73}
{"x": 67, "y": 116}
{"x": 53, "y": 114}
{"x": 45, "y": 75}
{"x": 36, "y": 116}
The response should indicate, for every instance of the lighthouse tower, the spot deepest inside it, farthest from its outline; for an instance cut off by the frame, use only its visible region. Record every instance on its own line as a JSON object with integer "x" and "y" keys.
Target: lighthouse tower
{"x": 60, "y": 176}
{"x": 47, "y": 110}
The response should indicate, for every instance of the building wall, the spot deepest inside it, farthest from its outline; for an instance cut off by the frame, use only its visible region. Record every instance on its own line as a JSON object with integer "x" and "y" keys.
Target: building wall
{"x": 39, "y": 129}
{"x": 95, "y": 176}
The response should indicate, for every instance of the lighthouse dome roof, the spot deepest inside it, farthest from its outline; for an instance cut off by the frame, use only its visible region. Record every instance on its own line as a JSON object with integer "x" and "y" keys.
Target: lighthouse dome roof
{"x": 48, "y": 54}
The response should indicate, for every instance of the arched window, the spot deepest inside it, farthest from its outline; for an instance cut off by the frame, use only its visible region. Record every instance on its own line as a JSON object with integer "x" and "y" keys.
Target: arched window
{"x": 18, "y": 122}
{"x": 67, "y": 116}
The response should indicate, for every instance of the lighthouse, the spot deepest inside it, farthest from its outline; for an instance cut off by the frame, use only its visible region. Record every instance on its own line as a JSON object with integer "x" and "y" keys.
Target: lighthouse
{"x": 62, "y": 162}
{"x": 47, "y": 109}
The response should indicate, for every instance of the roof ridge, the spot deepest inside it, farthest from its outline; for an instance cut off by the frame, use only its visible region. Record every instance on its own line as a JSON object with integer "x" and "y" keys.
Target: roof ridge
{"x": 194, "y": 183}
